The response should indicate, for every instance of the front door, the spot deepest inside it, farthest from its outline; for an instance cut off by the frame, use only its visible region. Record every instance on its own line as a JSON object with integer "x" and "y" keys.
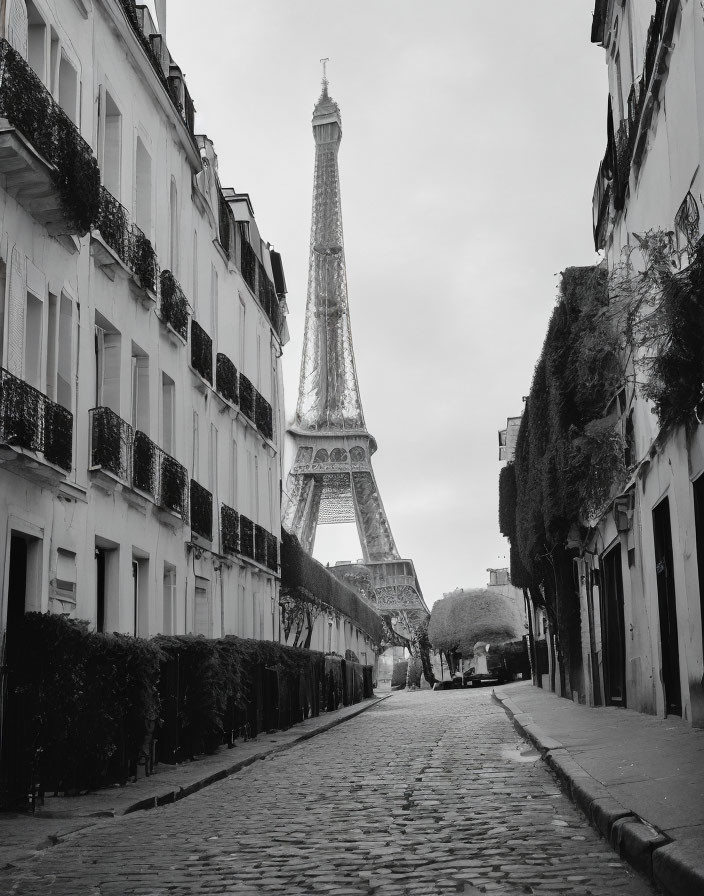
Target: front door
{"x": 669, "y": 642}
{"x": 613, "y": 631}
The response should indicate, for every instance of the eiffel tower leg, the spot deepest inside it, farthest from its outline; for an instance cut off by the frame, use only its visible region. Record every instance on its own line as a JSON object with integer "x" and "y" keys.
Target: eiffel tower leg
{"x": 305, "y": 516}
{"x": 372, "y": 524}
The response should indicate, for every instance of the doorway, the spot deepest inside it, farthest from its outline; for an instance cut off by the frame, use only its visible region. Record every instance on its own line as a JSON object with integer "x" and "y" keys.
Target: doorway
{"x": 667, "y": 608}
{"x": 613, "y": 632}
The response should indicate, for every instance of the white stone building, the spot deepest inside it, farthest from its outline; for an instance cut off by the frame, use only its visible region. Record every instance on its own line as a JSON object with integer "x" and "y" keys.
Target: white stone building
{"x": 642, "y": 629}
{"x": 141, "y": 409}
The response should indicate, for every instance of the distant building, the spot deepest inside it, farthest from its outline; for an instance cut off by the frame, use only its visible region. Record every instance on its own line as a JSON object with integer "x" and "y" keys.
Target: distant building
{"x": 507, "y": 438}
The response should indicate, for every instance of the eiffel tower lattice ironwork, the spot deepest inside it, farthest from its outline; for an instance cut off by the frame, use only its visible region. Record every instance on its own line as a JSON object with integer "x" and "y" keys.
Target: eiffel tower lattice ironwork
{"x": 332, "y": 480}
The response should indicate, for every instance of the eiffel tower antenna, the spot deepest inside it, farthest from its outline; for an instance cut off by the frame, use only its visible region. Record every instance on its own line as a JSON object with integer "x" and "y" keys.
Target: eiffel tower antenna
{"x": 332, "y": 480}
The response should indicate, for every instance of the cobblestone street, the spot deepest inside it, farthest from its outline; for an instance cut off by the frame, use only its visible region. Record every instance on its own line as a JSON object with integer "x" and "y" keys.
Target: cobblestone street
{"x": 425, "y": 793}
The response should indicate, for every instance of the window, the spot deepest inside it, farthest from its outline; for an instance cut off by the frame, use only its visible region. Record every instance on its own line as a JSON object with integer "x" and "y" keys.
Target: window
{"x": 109, "y": 142}
{"x": 196, "y": 455}
{"x": 33, "y": 340}
{"x": 202, "y": 620}
{"x": 243, "y": 342}
{"x": 68, "y": 89}
{"x": 259, "y": 361}
{"x": 143, "y": 184}
{"x": 233, "y": 475}
{"x": 168, "y": 412}
{"x": 107, "y": 365}
{"x": 17, "y": 26}
{"x": 59, "y": 351}
{"x": 62, "y": 590}
{"x": 173, "y": 228}
{"x": 140, "y": 592}
{"x": 3, "y": 283}
{"x": 256, "y": 489}
{"x": 140, "y": 390}
{"x": 194, "y": 297}
{"x": 214, "y": 304}
{"x": 36, "y": 42}
{"x": 213, "y": 460}
{"x": 107, "y": 585}
{"x": 169, "y": 608}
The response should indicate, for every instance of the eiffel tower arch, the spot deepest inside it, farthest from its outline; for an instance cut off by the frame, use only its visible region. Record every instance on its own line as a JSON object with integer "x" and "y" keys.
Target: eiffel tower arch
{"x": 332, "y": 479}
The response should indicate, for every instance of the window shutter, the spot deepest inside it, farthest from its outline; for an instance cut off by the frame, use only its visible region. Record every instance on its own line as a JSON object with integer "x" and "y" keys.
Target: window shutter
{"x": 16, "y": 314}
{"x": 18, "y": 26}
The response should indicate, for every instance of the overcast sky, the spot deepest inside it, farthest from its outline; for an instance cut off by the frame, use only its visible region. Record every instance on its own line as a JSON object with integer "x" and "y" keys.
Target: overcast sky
{"x": 472, "y": 132}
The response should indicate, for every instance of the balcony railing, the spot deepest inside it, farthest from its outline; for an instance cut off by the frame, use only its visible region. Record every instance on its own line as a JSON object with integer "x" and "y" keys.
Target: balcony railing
{"x": 248, "y": 258}
{"x": 201, "y": 511}
{"x": 201, "y": 352}
{"x": 174, "y": 305}
{"x": 225, "y": 223}
{"x": 157, "y": 473}
{"x": 179, "y": 94}
{"x": 264, "y": 417}
{"x": 229, "y": 530}
{"x": 247, "y": 392}
{"x": 272, "y": 552}
{"x": 111, "y": 443}
{"x": 246, "y": 537}
{"x": 226, "y": 379}
{"x": 28, "y": 106}
{"x": 260, "y": 544}
{"x": 127, "y": 241}
{"x": 30, "y": 420}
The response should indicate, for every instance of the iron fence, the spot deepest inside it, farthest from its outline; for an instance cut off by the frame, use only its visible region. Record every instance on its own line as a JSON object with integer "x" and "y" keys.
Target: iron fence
{"x": 127, "y": 241}
{"x": 201, "y": 352}
{"x": 260, "y": 544}
{"x": 28, "y": 419}
{"x": 229, "y": 529}
{"x": 29, "y": 107}
{"x": 111, "y": 442}
{"x": 246, "y": 537}
{"x": 247, "y": 398}
{"x": 226, "y": 222}
{"x": 201, "y": 511}
{"x": 264, "y": 417}
{"x": 226, "y": 378}
{"x": 174, "y": 305}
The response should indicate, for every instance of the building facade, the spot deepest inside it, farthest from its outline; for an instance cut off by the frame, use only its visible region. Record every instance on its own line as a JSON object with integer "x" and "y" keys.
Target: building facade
{"x": 142, "y": 319}
{"x": 641, "y": 584}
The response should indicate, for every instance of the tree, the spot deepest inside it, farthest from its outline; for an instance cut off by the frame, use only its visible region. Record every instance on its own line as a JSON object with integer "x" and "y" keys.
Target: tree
{"x": 464, "y": 617}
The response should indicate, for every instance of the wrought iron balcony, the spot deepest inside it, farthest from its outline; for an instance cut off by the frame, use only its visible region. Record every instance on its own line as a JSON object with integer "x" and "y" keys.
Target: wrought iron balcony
{"x": 272, "y": 552}
{"x": 30, "y": 420}
{"x": 111, "y": 440}
{"x": 201, "y": 511}
{"x": 144, "y": 463}
{"x": 264, "y": 416}
{"x": 248, "y": 258}
{"x": 201, "y": 352}
{"x": 160, "y": 475}
{"x": 266, "y": 293}
{"x": 174, "y": 84}
{"x": 226, "y": 223}
{"x": 174, "y": 305}
{"x": 260, "y": 544}
{"x": 127, "y": 241}
{"x": 229, "y": 530}
{"x": 226, "y": 380}
{"x": 56, "y": 176}
{"x": 247, "y": 392}
{"x": 246, "y": 537}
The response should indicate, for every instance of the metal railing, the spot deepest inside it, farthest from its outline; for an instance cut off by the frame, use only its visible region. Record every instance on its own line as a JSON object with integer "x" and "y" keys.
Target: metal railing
{"x": 272, "y": 552}
{"x": 226, "y": 222}
{"x": 247, "y": 399}
{"x": 201, "y": 511}
{"x": 263, "y": 416}
{"x": 111, "y": 442}
{"x": 174, "y": 306}
{"x": 30, "y": 420}
{"x": 229, "y": 530}
{"x": 260, "y": 544}
{"x": 201, "y": 352}
{"x": 226, "y": 378}
{"x": 28, "y": 106}
{"x": 246, "y": 537}
{"x": 127, "y": 240}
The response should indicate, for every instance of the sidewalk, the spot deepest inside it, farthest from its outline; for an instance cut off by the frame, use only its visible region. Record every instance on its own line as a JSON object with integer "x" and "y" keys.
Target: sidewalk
{"x": 638, "y": 778}
{"x": 22, "y": 835}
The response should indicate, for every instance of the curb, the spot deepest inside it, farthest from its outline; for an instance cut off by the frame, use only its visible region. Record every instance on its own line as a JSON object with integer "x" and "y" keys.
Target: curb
{"x": 675, "y": 867}
{"x": 179, "y": 793}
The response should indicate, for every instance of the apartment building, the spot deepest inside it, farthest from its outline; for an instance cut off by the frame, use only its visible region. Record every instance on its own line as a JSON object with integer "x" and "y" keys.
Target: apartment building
{"x": 142, "y": 319}
{"x": 642, "y": 585}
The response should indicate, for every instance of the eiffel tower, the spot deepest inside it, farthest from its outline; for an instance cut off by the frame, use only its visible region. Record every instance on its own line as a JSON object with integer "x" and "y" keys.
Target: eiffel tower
{"x": 332, "y": 480}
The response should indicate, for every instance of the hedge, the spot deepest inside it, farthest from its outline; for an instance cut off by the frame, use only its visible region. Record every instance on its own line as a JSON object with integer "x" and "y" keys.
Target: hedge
{"x": 85, "y": 709}
{"x": 301, "y": 573}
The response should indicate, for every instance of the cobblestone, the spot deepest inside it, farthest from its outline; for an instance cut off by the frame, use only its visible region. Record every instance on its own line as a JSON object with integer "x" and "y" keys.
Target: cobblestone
{"x": 426, "y": 793}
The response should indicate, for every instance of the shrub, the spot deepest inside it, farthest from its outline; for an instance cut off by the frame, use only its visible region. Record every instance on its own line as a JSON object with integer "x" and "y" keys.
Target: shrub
{"x": 399, "y": 674}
